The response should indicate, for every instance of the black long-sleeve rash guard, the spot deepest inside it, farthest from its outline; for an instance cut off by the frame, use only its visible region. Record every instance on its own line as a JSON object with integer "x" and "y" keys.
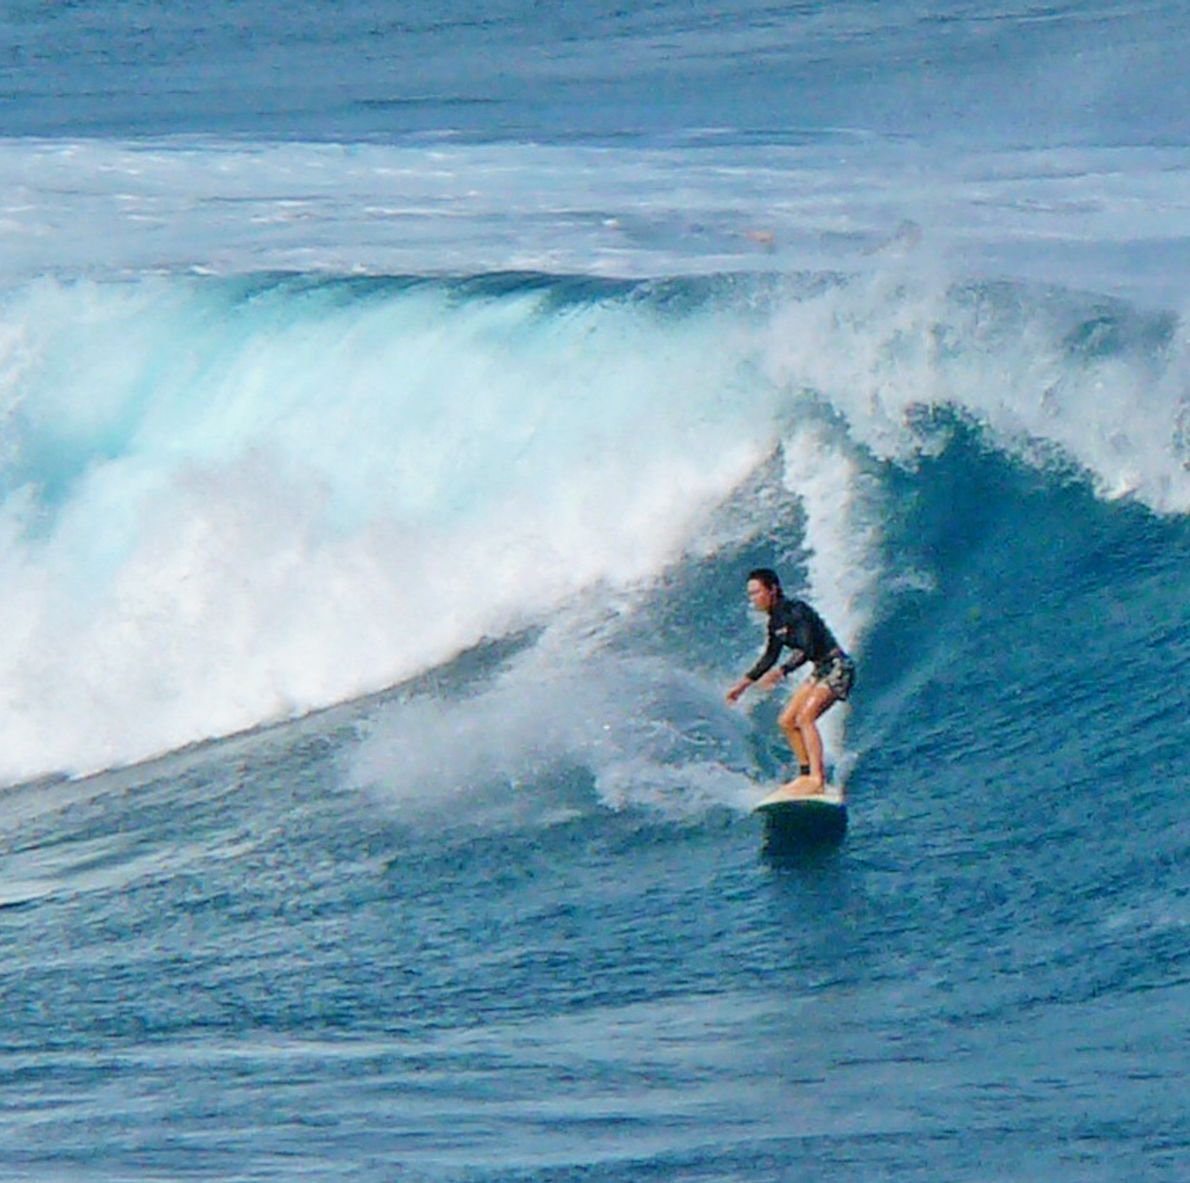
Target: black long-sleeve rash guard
{"x": 795, "y": 624}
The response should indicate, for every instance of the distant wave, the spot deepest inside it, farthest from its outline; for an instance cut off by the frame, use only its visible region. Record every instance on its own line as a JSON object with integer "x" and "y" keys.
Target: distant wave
{"x": 701, "y": 202}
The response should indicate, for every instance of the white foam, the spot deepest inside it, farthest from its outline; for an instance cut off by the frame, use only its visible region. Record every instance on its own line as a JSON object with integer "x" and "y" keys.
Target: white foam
{"x": 314, "y": 503}
{"x": 883, "y": 349}
{"x": 226, "y": 504}
{"x": 645, "y": 735}
{"x": 1108, "y": 219}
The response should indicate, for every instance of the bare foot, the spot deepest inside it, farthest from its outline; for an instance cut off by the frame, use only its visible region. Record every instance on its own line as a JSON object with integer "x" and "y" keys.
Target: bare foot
{"x": 805, "y": 786}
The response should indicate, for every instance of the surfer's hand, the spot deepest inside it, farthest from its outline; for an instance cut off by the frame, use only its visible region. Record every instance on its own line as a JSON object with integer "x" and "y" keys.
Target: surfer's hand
{"x": 733, "y": 695}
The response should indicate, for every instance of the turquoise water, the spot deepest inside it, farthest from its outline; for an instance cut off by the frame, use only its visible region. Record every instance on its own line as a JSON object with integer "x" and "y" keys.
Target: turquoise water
{"x": 392, "y": 409}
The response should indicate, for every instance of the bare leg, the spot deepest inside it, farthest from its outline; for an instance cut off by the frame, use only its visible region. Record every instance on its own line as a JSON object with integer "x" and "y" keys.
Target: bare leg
{"x": 816, "y": 701}
{"x": 787, "y": 721}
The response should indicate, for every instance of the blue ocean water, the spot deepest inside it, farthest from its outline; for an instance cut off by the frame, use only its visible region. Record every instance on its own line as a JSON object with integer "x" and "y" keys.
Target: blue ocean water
{"x": 393, "y": 402}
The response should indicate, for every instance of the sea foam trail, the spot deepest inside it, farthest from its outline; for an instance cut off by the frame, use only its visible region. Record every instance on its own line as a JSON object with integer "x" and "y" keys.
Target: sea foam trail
{"x": 228, "y": 501}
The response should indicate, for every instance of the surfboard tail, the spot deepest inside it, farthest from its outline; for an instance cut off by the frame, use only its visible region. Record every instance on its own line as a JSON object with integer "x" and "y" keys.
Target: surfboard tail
{"x": 803, "y": 822}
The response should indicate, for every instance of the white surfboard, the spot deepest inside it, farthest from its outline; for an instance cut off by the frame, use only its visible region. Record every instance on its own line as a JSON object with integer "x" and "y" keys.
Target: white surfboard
{"x": 782, "y": 796}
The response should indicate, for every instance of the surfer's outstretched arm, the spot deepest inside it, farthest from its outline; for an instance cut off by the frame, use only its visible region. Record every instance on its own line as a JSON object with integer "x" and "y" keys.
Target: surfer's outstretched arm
{"x": 737, "y": 691}
{"x": 763, "y": 599}
{"x": 766, "y": 682}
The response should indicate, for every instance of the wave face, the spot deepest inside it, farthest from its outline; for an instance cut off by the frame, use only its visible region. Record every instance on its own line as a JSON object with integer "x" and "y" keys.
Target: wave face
{"x": 509, "y": 919}
{"x": 231, "y": 501}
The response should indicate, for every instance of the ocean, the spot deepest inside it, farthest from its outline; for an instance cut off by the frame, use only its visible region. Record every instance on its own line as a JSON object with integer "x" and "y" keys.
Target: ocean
{"x": 393, "y": 401}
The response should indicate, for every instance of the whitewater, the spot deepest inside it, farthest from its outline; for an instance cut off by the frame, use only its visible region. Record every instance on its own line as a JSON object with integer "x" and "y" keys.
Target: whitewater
{"x": 391, "y": 408}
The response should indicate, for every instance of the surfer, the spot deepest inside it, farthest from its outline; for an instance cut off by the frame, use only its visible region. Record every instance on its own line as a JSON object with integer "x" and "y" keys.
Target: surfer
{"x": 793, "y": 624}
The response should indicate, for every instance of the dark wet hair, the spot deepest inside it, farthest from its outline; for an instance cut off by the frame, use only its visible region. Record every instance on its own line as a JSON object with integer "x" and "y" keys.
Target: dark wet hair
{"x": 767, "y": 576}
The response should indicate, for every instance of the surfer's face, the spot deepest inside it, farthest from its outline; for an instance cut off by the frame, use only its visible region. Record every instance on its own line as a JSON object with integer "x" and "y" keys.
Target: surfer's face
{"x": 762, "y": 597}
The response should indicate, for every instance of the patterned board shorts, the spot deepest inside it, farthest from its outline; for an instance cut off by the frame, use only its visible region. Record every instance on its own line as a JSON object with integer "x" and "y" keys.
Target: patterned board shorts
{"x": 837, "y": 672}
